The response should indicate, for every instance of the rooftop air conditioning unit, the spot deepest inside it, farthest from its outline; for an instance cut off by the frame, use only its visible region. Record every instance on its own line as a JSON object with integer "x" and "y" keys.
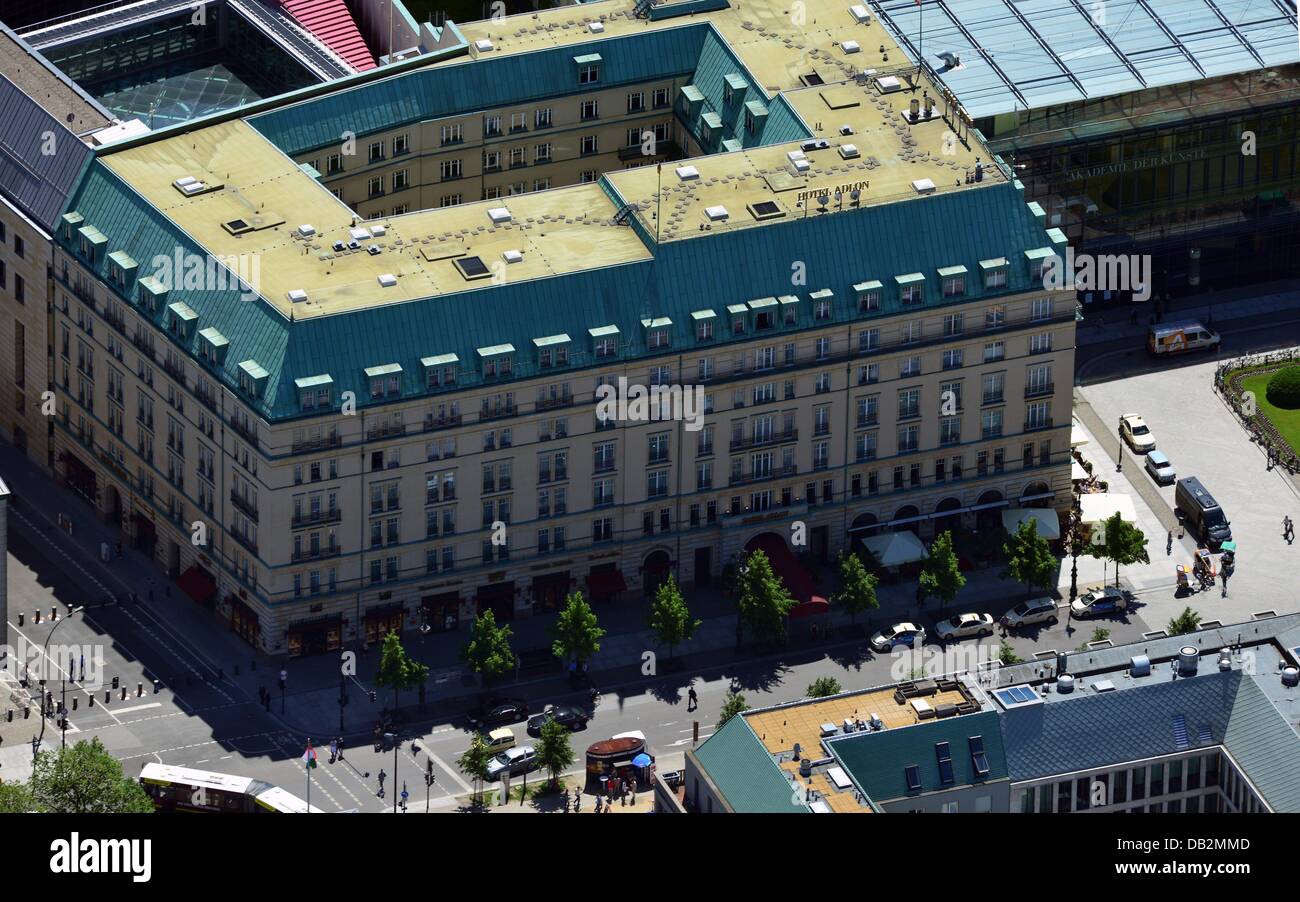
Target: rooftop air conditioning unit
{"x": 860, "y": 15}
{"x": 596, "y": 27}
{"x": 498, "y": 215}
{"x": 378, "y": 231}
{"x": 388, "y": 280}
{"x": 1064, "y": 683}
{"x": 1189, "y": 658}
{"x": 1290, "y": 676}
{"x": 373, "y": 250}
{"x": 359, "y": 234}
{"x": 513, "y": 257}
{"x": 482, "y": 45}
{"x": 306, "y": 231}
{"x": 848, "y": 151}
{"x": 686, "y": 173}
{"x": 716, "y": 214}
{"x": 923, "y": 186}
{"x": 888, "y": 84}
{"x": 850, "y": 46}
{"x": 297, "y": 296}
{"x": 1139, "y": 666}
{"x": 814, "y": 144}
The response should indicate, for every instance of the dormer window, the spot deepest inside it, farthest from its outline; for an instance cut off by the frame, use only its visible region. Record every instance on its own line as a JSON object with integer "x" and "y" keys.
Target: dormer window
{"x": 439, "y": 372}
{"x": 497, "y": 361}
{"x": 739, "y": 314}
{"x": 315, "y": 392}
{"x": 868, "y": 297}
{"x": 789, "y": 309}
{"x": 552, "y": 351}
{"x": 764, "y": 311}
{"x": 911, "y": 289}
{"x": 658, "y": 332}
{"x": 121, "y": 269}
{"x": 212, "y": 346}
{"x": 181, "y": 319}
{"x": 252, "y": 378}
{"x": 604, "y": 341}
{"x": 704, "y": 324}
{"x": 385, "y": 381}
{"x": 953, "y": 280}
{"x": 822, "y": 304}
{"x": 588, "y": 68}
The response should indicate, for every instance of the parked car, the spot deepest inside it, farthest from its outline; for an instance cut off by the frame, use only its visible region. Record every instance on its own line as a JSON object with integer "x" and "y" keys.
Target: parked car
{"x": 1099, "y": 602}
{"x": 1029, "y": 613}
{"x": 963, "y": 626}
{"x": 497, "y": 711}
{"x": 516, "y": 761}
{"x": 1136, "y": 433}
{"x": 565, "y": 715}
{"x": 890, "y": 637}
{"x": 1161, "y": 470}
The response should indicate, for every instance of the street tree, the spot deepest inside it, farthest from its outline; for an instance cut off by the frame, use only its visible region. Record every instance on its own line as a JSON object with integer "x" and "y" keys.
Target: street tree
{"x": 1007, "y": 655}
{"x": 857, "y": 591}
{"x": 488, "y": 652}
{"x": 1121, "y": 543}
{"x": 732, "y": 705}
{"x": 1029, "y": 558}
{"x": 84, "y": 779}
{"x": 474, "y": 762}
{"x": 576, "y": 636}
{"x": 554, "y": 753}
{"x": 941, "y": 575}
{"x": 1188, "y": 621}
{"x": 16, "y": 798}
{"x": 397, "y": 670}
{"x": 670, "y": 619}
{"x": 823, "y": 687}
{"x": 762, "y": 602}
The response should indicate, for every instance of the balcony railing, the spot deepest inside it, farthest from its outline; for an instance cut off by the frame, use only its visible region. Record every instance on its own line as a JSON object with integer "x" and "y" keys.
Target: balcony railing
{"x": 244, "y": 540}
{"x": 242, "y": 504}
{"x": 445, "y": 421}
{"x": 775, "y": 438}
{"x": 316, "y": 444}
{"x": 334, "y": 515}
{"x": 1039, "y": 390}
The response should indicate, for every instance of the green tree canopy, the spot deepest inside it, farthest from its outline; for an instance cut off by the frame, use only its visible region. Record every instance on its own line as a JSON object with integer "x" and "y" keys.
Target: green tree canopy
{"x": 670, "y": 619}
{"x": 16, "y": 798}
{"x": 1007, "y": 655}
{"x": 941, "y": 575}
{"x": 474, "y": 762}
{"x": 857, "y": 591}
{"x": 762, "y": 603}
{"x": 1120, "y": 543}
{"x": 398, "y": 671}
{"x": 732, "y": 705}
{"x": 1029, "y": 557}
{"x": 85, "y": 779}
{"x": 488, "y": 652}
{"x": 823, "y": 687}
{"x": 576, "y": 634}
{"x": 554, "y": 753}
{"x": 1188, "y": 621}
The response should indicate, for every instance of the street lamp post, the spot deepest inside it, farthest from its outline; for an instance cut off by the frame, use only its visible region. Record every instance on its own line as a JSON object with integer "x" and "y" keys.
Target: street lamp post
{"x": 1119, "y": 458}
{"x": 37, "y": 744}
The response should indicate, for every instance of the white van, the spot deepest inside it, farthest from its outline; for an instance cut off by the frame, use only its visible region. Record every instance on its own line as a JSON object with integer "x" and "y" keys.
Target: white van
{"x": 1175, "y": 338}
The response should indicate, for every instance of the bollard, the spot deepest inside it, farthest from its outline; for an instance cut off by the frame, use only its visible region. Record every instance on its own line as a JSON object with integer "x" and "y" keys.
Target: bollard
{"x": 38, "y": 615}
{"x": 108, "y": 696}
{"x": 90, "y": 701}
{"x": 21, "y": 617}
{"x": 74, "y": 703}
{"x": 27, "y": 713}
{"x": 54, "y": 613}
{"x": 9, "y": 715}
{"x": 114, "y": 682}
{"x": 155, "y": 687}
{"x": 139, "y": 689}
{"x": 123, "y": 693}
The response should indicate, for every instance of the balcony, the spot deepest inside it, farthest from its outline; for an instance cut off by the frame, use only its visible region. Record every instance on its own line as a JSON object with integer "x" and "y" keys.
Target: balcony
{"x": 247, "y": 433}
{"x": 1040, "y": 390}
{"x": 308, "y": 554}
{"x": 175, "y": 369}
{"x": 865, "y": 421}
{"x": 775, "y": 438}
{"x": 555, "y": 403}
{"x": 315, "y": 444}
{"x": 764, "y": 475}
{"x": 314, "y": 518}
{"x": 244, "y": 541}
{"x": 441, "y": 422}
{"x": 497, "y": 412}
{"x": 1038, "y": 426}
{"x": 242, "y": 504}
{"x": 385, "y": 430}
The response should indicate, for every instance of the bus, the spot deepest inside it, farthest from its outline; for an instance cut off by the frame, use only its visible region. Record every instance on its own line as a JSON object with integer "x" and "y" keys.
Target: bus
{"x": 185, "y": 789}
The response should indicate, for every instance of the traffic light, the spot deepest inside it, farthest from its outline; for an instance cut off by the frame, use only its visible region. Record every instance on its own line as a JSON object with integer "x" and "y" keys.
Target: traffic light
{"x": 372, "y": 696}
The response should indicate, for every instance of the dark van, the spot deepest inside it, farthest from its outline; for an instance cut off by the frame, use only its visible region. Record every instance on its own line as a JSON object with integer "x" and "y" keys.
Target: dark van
{"x": 1202, "y": 514}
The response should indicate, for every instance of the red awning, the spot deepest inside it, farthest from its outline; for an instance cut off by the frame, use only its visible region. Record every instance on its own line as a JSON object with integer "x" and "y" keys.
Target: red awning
{"x": 606, "y": 582}
{"x": 197, "y": 584}
{"x": 796, "y": 579}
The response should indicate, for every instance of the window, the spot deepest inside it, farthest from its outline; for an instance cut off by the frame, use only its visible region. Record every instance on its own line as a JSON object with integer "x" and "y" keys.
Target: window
{"x": 909, "y": 366}
{"x": 911, "y": 332}
{"x": 518, "y": 122}
{"x": 401, "y": 144}
{"x": 542, "y": 153}
{"x": 1041, "y": 310}
{"x": 995, "y": 317}
{"x": 991, "y": 423}
{"x": 993, "y": 388}
{"x": 491, "y": 160}
{"x": 912, "y": 294}
{"x": 952, "y": 358}
{"x": 660, "y": 98}
{"x": 1038, "y": 415}
{"x": 953, "y": 324}
{"x": 401, "y": 180}
{"x": 909, "y": 403}
{"x": 995, "y": 278}
{"x": 333, "y": 164}
{"x": 542, "y": 118}
{"x": 704, "y": 330}
{"x": 1041, "y": 343}
{"x": 589, "y": 109}
{"x": 491, "y": 126}
{"x": 636, "y": 102}
{"x": 954, "y": 286}
{"x": 588, "y": 74}
{"x": 453, "y": 134}
{"x": 589, "y": 145}
{"x": 376, "y": 151}
{"x": 950, "y": 431}
{"x": 376, "y": 186}
{"x": 1038, "y": 380}
{"x": 994, "y": 351}
{"x": 450, "y": 169}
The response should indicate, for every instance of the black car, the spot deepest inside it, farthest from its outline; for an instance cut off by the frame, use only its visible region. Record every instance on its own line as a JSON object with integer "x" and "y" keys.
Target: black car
{"x": 498, "y": 711}
{"x": 565, "y": 715}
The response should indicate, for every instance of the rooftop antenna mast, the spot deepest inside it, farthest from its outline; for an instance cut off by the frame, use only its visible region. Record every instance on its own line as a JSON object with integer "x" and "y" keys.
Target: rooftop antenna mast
{"x": 659, "y": 203}
{"x": 920, "y": 50}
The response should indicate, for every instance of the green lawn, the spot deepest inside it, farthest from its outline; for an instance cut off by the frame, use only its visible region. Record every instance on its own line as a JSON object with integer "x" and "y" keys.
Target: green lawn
{"x": 1286, "y": 421}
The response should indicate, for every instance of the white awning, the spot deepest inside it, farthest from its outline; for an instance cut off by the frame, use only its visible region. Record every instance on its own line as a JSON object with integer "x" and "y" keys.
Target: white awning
{"x": 1099, "y": 507}
{"x": 1077, "y": 472}
{"x": 895, "y": 548}
{"x": 1077, "y": 436}
{"x": 1044, "y": 519}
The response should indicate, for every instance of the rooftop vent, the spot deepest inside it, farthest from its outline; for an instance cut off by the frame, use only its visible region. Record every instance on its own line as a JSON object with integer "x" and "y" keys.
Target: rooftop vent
{"x": 814, "y": 144}
{"x": 860, "y": 15}
{"x": 513, "y": 257}
{"x": 717, "y": 213}
{"x": 339, "y": 246}
{"x": 359, "y": 234}
{"x": 471, "y": 268}
{"x": 189, "y": 186}
{"x": 482, "y": 45}
{"x": 846, "y": 130}
{"x": 765, "y": 209}
{"x": 297, "y": 295}
{"x": 1290, "y": 676}
{"x": 850, "y": 46}
{"x": 888, "y": 84}
{"x": 848, "y": 151}
{"x": 923, "y": 186}
{"x": 306, "y": 231}
{"x": 1225, "y": 660}
{"x": 1139, "y": 666}
{"x": 1188, "y": 660}
{"x": 499, "y": 215}
{"x": 378, "y": 231}
{"x": 686, "y": 173}
{"x": 373, "y": 250}
{"x": 388, "y": 280}
{"x": 596, "y": 27}
{"x": 812, "y": 79}
{"x": 1064, "y": 683}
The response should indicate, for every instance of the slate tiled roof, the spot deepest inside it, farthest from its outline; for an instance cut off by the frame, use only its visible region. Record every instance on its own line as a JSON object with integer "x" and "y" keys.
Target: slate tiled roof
{"x": 745, "y": 773}
{"x": 878, "y": 761}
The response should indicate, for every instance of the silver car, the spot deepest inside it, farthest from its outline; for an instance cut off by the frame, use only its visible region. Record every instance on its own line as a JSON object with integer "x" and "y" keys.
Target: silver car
{"x": 517, "y": 760}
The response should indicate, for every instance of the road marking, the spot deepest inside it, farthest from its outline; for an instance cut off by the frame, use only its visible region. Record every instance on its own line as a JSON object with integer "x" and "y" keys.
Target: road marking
{"x": 139, "y": 708}
{"x": 451, "y": 771}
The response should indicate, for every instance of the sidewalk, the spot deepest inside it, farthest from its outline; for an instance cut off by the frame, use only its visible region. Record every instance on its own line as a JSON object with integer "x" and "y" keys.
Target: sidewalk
{"x": 1114, "y": 323}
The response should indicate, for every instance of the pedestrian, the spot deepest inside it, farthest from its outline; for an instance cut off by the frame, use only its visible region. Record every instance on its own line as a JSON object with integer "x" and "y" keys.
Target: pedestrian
{"x": 598, "y": 804}
{"x": 334, "y": 751}
{"x": 692, "y": 700}
{"x": 340, "y": 745}
{"x": 577, "y": 801}
{"x": 1169, "y": 543}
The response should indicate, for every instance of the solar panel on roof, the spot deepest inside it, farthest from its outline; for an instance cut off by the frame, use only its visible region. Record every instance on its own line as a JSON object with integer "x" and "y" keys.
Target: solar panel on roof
{"x": 913, "y": 774}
